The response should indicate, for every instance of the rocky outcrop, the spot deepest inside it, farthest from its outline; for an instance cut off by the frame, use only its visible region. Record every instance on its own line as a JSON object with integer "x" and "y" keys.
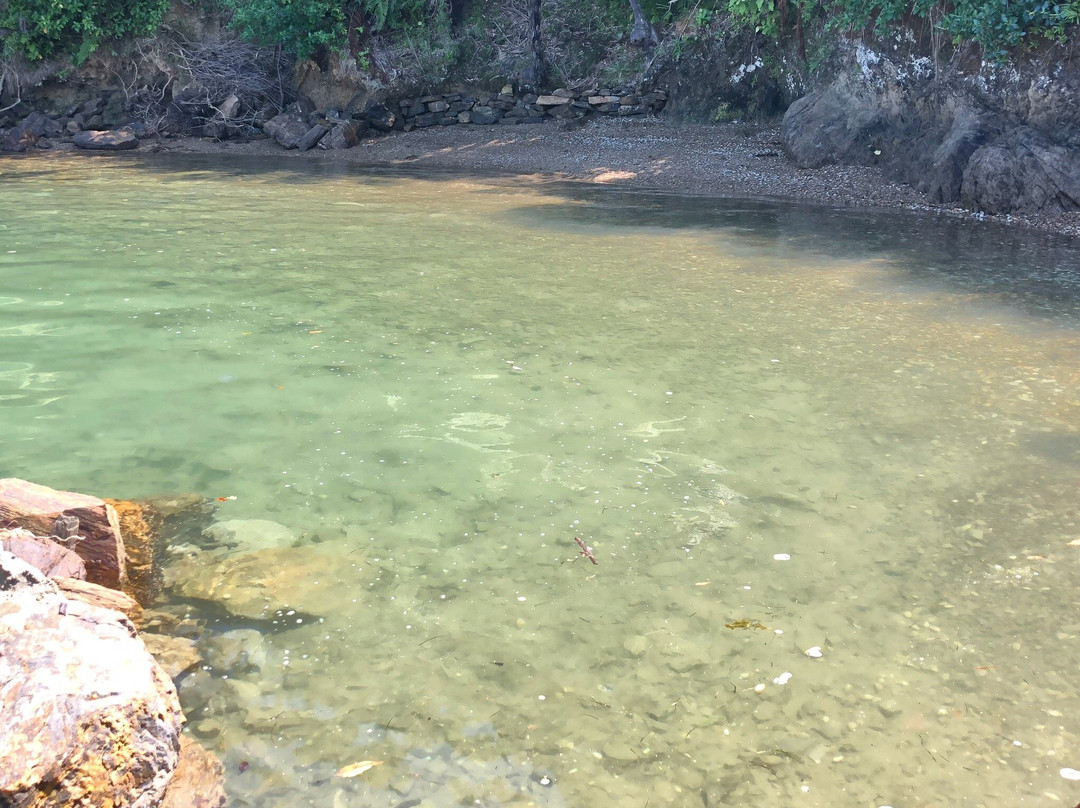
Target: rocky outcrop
{"x": 89, "y": 718}
{"x": 993, "y": 139}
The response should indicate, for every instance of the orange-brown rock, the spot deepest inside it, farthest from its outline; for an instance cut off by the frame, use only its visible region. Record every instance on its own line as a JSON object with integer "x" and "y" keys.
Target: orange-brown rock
{"x": 88, "y": 718}
{"x": 36, "y": 508}
{"x": 140, "y": 526}
{"x": 199, "y": 779}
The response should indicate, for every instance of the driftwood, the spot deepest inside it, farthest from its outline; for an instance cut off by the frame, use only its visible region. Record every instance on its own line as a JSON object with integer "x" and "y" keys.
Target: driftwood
{"x": 98, "y": 542}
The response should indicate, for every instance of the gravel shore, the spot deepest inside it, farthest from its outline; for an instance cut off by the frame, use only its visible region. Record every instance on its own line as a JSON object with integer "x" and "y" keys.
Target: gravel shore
{"x": 732, "y": 159}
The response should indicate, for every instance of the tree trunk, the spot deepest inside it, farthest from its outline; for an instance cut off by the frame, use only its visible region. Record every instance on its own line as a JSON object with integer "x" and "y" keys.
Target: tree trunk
{"x": 36, "y": 508}
{"x": 642, "y": 33}
{"x": 532, "y": 77}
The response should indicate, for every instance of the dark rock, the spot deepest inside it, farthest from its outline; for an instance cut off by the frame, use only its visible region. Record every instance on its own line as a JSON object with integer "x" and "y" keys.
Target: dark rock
{"x": 437, "y": 106}
{"x": 92, "y": 107}
{"x": 287, "y": 129}
{"x": 16, "y": 141}
{"x": 448, "y": 120}
{"x": 942, "y": 181}
{"x": 302, "y": 107}
{"x": 427, "y": 119}
{"x": 312, "y": 137}
{"x": 115, "y": 112}
{"x": 483, "y": 115}
{"x": 35, "y": 123}
{"x": 999, "y": 141}
{"x": 416, "y": 109}
{"x": 112, "y": 140}
{"x": 830, "y": 125}
{"x": 342, "y": 136}
{"x": 380, "y": 117}
{"x": 1022, "y": 172}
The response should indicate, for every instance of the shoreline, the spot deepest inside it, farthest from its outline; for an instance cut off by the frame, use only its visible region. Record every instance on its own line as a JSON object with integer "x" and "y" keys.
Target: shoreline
{"x": 739, "y": 160}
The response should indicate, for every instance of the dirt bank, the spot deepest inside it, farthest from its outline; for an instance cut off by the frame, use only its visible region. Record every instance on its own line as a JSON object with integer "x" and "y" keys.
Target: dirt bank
{"x": 723, "y": 160}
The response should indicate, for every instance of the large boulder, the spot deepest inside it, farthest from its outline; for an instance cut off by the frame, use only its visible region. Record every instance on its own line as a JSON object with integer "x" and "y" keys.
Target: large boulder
{"x": 288, "y": 129}
{"x": 1022, "y": 173}
{"x": 89, "y": 718}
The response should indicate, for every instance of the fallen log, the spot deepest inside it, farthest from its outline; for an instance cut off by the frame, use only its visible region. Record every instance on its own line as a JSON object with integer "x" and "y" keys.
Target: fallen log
{"x": 98, "y": 542}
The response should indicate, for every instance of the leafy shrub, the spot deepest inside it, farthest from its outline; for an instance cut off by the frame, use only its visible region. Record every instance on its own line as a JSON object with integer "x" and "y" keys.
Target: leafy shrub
{"x": 299, "y": 26}
{"x": 997, "y": 26}
{"x": 40, "y": 29}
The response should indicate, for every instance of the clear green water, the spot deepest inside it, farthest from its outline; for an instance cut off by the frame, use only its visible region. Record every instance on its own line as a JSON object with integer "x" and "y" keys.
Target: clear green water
{"x": 435, "y": 384}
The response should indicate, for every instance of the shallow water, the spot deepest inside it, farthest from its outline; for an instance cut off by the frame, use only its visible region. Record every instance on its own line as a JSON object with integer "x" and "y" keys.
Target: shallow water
{"x": 856, "y": 434}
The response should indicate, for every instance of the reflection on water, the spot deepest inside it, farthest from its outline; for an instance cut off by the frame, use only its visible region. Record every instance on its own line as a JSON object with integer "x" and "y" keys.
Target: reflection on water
{"x": 826, "y": 463}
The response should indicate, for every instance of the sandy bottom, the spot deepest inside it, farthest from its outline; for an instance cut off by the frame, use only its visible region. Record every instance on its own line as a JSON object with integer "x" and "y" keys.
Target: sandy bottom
{"x": 736, "y": 159}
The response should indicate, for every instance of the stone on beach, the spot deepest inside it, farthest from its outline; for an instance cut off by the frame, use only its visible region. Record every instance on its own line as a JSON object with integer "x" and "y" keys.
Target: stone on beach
{"x": 113, "y": 140}
{"x": 287, "y": 129}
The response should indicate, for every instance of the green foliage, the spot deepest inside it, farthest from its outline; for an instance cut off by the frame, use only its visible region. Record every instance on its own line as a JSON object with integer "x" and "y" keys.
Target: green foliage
{"x": 304, "y": 26}
{"x": 997, "y": 26}
{"x": 299, "y": 26}
{"x": 40, "y": 29}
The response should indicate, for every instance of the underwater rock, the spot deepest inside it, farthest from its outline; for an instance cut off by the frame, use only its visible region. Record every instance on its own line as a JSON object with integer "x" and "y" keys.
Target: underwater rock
{"x": 176, "y": 655}
{"x": 284, "y": 585}
{"x": 36, "y": 508}
{"x": 249, "y": 534}
{"x": 199, "y": 780}
{"x": 89, "y": 718}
